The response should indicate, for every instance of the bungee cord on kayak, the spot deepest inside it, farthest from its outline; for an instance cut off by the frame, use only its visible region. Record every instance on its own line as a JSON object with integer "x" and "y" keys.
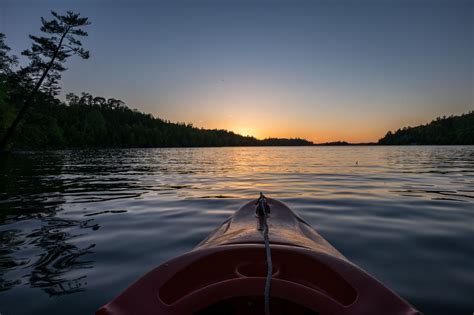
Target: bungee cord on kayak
{"x": 262, "y": 210}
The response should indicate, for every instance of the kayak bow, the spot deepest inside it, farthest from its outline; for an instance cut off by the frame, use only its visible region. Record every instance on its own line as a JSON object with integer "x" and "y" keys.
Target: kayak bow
{"x": 226, "y": 273}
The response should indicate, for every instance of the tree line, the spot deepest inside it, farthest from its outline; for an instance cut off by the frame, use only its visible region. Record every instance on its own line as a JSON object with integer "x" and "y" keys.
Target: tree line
{"x": 32, "y": 117}
{"x": 86, "y": 121}
{"x": 443, "y": 130}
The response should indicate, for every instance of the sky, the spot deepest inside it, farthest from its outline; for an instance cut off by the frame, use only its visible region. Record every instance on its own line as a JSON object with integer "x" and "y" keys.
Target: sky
{"x": 320, "y": 70}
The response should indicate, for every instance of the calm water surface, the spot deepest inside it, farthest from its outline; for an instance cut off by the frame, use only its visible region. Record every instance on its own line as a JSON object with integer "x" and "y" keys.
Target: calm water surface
{"x": 77, "y": 227}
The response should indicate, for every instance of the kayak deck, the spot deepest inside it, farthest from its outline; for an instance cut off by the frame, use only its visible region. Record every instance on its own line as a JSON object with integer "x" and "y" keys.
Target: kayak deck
{"x": 226, "y": 273}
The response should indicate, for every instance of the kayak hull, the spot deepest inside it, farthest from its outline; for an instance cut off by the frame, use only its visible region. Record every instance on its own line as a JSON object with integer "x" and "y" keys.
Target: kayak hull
{"x": 226, "y": 273}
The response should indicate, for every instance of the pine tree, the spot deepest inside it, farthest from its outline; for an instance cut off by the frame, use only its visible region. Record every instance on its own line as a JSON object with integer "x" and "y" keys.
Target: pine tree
{"x": 47, "y": 56}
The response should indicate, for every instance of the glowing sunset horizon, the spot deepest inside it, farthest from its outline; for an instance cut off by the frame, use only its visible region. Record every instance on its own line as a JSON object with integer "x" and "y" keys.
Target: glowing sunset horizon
{"x": 323, "y": 71}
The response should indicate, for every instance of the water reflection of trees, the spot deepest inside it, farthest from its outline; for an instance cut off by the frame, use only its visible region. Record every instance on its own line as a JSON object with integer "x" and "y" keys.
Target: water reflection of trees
{"x": 41, "y": 253}
{"x": 55, "y": 268}
{"x": 59, "y": 258}
{"x": 9, "y": 243}
{"x": 39, "y": 242}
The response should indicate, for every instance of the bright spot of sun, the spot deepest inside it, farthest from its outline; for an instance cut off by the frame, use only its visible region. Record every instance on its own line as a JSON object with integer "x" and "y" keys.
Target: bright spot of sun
{"x": 245, "y": 131}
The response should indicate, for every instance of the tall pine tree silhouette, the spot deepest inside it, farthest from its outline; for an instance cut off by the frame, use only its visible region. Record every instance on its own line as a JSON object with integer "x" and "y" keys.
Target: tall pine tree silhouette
{"x": 47, "y": 56}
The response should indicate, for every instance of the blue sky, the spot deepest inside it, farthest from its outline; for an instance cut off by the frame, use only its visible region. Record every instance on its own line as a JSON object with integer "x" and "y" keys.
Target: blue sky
{"x": 323, "y": 70}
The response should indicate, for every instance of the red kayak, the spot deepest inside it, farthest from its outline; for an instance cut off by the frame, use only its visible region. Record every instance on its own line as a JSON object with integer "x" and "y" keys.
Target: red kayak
{"x": 228, "y": 273}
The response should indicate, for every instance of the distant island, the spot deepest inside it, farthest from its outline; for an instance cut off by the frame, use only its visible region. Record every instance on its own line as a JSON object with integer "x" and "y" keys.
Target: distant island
{"x": 344, "y": 143}
{"x": 452, "y": 130}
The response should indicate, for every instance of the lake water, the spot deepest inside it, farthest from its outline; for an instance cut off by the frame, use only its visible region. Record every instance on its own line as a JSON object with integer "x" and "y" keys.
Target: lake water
{"x": 77, "y": 227}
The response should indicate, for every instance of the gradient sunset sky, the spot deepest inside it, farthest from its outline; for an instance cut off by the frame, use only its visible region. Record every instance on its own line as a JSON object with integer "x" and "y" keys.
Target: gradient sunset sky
{"x": 321, "y": 70}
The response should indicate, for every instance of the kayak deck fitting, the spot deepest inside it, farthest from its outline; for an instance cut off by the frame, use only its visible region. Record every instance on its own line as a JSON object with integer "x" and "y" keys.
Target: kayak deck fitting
{"x": 226, "y": 274}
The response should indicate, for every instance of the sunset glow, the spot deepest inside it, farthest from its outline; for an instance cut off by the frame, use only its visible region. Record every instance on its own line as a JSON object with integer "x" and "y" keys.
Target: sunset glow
{"x": 275, "y": 70}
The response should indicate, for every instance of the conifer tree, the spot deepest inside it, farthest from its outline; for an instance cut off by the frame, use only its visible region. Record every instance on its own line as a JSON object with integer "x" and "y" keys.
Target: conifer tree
{"x": 47, "y": 55}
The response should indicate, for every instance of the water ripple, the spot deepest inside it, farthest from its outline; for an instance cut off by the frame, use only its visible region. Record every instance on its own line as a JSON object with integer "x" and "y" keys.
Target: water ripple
{"x": 77, "y": 227}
